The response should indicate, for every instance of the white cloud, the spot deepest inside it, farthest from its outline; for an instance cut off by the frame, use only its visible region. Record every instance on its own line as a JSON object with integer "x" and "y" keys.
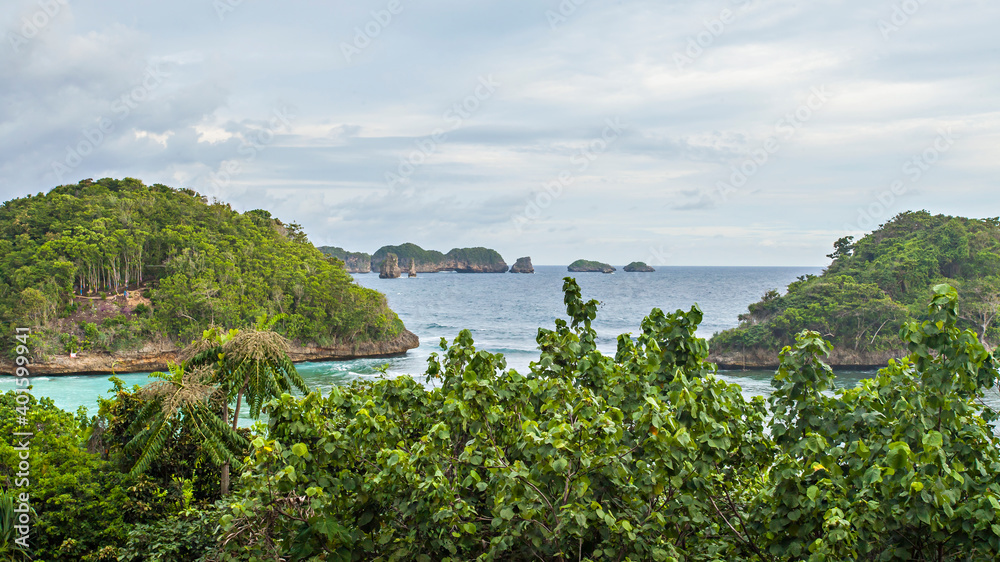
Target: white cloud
{"x": 687, "y": 127}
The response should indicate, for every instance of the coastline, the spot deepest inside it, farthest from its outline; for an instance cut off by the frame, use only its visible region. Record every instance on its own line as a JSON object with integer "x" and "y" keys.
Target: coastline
{"x": 839, "y": 359}
{"x": 155, "y": 356}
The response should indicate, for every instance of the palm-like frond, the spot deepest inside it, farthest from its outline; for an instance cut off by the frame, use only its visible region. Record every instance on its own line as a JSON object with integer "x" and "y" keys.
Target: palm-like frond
{"x": 181, "y": 396}
{"x": 151, "y": 442}
{"x": 259, "y": 364}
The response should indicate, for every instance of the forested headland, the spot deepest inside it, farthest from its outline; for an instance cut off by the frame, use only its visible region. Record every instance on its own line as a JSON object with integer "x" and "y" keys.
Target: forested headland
{"x": 113, "y": 265}
{"x": 872, "y": 288}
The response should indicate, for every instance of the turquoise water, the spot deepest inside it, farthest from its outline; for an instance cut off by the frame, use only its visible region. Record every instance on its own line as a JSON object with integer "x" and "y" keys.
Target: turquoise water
{"x": 504, "y": 312}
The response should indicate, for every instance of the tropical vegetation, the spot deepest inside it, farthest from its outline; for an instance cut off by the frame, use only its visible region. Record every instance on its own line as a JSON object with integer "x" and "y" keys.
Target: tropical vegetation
{"x": 68, "y": 257}
{"x": 876, "y": 285}
{"x": 644, "y": 455}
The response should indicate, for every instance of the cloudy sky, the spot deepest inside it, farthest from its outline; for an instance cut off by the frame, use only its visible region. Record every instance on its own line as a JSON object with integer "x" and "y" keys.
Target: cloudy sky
{"x": 708, "y": 132}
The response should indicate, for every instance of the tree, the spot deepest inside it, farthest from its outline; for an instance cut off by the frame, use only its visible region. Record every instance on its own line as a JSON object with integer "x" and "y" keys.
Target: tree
{"x": 181, "y": 397}
{"x": 252, "y": 362}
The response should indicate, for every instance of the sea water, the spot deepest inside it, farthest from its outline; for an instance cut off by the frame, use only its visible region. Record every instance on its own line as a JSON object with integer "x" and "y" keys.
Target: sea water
{"x": 503, "y": 313}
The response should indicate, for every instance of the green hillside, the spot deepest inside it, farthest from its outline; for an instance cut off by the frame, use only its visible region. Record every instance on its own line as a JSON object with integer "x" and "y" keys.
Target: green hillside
{"x": 67, "y": 257}
{"x": 589, "y": 266}
{"x": 409, "y": 251}
{"x": 877, "y": 283}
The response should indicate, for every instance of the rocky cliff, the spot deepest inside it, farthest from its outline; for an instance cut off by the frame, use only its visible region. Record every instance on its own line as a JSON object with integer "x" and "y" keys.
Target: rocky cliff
{"x": 156, "y": 356}
{"x": 462, "y": 260}
{"x": 766, "y": 359}
{"x": 354, "y": 262}
{"x": 474, "y": 260}
{"x": 522, "y": 265}
{"x": 389, "y": 269}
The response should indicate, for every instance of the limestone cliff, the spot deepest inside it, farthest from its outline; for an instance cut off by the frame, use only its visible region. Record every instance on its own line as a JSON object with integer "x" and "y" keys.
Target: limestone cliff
{"x": 522, "y": 265}
{"x": 354, "y": 262}
{"x": 463, "y": 260}
{"x": 156, "y": 356}
{"x": 389, "y": 268}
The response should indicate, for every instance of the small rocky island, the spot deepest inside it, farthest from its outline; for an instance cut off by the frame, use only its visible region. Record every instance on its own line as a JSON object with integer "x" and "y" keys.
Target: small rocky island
{"x": 523, "y": 265}
{"x": 389, "y": 268}
{"x": 638, "y": 267}
{"x": 588, "y": 266}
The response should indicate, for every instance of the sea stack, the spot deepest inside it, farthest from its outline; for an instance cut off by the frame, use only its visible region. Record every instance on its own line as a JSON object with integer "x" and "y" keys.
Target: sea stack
{"x": 389, "y": 268}
{"x": 523, "y": 265}
{"x": 413, "y": 268}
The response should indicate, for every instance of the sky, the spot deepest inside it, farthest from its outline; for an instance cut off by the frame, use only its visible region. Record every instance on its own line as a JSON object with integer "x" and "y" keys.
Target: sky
{"x": 708, "y": 132}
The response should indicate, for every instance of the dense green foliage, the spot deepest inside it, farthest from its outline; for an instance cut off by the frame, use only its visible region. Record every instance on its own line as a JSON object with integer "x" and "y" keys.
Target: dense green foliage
{"x": 64, "y": 252}
{"x": 643, "y": 456}
{"x": 82, "y": 504}
{"x": 344, "y": 255}
{"x": 877, "y": 284}
{"x": 405, "y": 253}
{"x": 474, "y": 256}
{"x": 433, "y": 260}
{"x": 589, "y": 265}
{"x": 353, "y": 261}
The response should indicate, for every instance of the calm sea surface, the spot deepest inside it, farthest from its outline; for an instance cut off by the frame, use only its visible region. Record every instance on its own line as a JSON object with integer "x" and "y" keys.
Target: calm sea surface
{"x": 504, "y": 312}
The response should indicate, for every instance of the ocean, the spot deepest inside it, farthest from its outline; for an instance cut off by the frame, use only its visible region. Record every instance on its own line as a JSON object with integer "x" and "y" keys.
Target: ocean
{"x": 504, "y": 311}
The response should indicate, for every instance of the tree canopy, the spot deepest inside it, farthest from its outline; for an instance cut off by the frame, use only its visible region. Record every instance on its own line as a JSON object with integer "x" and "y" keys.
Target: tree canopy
{"x": 199, "y": 263}
{"x": 878, "y": 283}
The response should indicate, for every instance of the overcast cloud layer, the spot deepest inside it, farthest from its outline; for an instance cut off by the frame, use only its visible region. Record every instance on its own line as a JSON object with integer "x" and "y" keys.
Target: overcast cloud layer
{"x": 726, "y": 132}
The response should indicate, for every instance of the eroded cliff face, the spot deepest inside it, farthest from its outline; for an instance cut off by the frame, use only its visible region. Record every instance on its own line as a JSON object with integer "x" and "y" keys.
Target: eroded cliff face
{"x": 358, "y": 263}
{"x": 156, "y": 356}
{"x": 522, "y": 265}
{"x": 389, "y": 268}
{"x": 463, "y": 260}
{"x": 768, "y": 359}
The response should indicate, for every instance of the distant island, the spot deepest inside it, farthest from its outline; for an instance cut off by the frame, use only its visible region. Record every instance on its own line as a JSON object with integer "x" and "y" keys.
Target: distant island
{"x": 114, "y": 275}
{"x": 354, "y": 262}
{"x": 462, "y": 260}
{"x": 872, "y": 287}
{"x": 587, "y": 266}
{"x": 638, "y": 267}
{"x": 523, "y": 265}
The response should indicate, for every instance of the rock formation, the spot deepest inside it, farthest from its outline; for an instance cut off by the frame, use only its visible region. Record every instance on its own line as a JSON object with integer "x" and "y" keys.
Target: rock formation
{"x": 413, "y": 268}
{"x": 638, "y": 267}
{"x": 587, "y": 266}
{"x": 156, "y": 356}
{"x": 389, "y": 268}
{"x": 462, "y": 260}
{"x": 522, "y": 265}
